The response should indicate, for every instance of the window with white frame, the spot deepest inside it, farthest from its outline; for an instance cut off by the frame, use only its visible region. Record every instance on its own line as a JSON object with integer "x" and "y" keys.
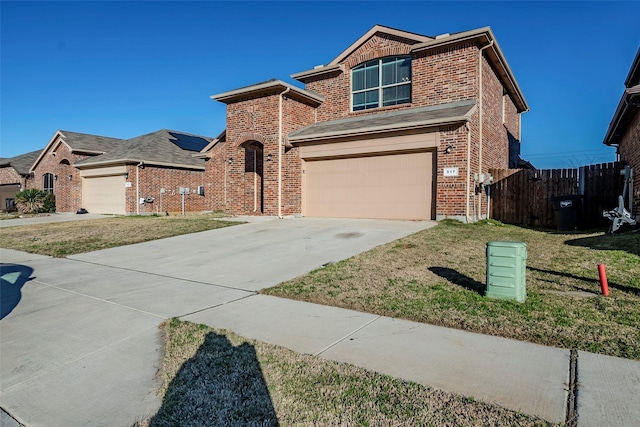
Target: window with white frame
{"x": 381, "y": 82}
{"x": 47, "y": 182}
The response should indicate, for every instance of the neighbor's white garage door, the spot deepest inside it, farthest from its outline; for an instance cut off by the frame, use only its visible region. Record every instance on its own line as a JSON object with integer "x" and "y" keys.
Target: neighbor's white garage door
{"x": 104, "y": 194}
{"x": 397, "y": 186}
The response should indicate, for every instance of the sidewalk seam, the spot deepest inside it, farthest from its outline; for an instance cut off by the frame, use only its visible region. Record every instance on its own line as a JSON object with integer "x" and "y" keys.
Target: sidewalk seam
{"x": 571, "y": 419}
{"x": 253, "y": 294}
{"x": 346, "y": 336}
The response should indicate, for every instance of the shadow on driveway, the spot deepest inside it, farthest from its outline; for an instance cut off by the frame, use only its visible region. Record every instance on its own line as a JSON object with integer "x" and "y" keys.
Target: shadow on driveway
{"x": 221, "y": 385}
{"x": 12, "y": 278}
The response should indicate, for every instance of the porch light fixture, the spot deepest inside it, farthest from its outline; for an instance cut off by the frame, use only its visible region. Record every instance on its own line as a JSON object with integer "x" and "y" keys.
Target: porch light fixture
{"x": 448, "y": 149}
{"x": 230, "y": 160}
{"x": 55, "y": 177}
{"x": 70, "y": 177}
{"x": 268, "y": 157}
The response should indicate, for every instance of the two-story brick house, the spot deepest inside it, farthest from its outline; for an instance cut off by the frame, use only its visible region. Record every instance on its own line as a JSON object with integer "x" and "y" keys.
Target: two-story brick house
{"x": 399, "y": 125}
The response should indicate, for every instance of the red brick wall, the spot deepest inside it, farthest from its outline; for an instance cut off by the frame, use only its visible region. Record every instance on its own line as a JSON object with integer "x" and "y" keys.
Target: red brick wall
{"x": 215, "y": 173}
{"x": 495, "y": 132}
{"x": 336, "y": 88}
{"x": 9, "y": 175}
{"x": 256, "y": 120}
{"x": 445, "y": 75}
{"x": 451, "y": 191}
{"x": 439, "y": 76}
{"x": 630, "y": 153}
{"x": 154, "y": 178}
{"x": 68, "y": 192}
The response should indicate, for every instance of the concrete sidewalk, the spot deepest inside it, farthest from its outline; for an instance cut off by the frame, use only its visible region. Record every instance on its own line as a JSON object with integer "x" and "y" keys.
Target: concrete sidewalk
{"x": 81, "y": 345}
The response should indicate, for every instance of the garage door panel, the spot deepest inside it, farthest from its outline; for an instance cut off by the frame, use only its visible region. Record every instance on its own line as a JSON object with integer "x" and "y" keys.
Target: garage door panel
{"x": 105, "y": 194}
{"x": 395, "y": 186}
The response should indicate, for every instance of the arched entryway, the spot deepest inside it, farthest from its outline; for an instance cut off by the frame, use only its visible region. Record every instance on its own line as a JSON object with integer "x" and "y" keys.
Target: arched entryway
{"x": 253, "y": 177}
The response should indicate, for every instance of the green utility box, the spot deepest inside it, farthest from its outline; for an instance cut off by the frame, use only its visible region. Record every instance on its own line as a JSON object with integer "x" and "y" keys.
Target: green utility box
{"x": 506, "y": 270}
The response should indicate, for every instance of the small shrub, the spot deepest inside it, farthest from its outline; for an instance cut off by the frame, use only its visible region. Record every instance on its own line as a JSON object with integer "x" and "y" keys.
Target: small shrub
{"x": 30, "y": 201}
{"x": 49, "y": 205}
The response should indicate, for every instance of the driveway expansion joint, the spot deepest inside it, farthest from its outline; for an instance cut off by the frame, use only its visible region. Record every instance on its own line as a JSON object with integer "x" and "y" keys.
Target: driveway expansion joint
{"x": 166, "y": 276}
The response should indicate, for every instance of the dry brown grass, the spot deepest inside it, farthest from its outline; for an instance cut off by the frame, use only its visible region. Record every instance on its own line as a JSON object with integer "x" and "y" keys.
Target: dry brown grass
{"x": 438, "y": 276}
{"x": 214, "y": 377}
{"x": 73, "y": 237}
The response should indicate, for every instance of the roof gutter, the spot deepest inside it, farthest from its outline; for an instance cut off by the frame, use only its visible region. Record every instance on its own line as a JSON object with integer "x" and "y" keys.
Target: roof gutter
{"x": 146, "y": 162}
{"x": 379, "y": 130}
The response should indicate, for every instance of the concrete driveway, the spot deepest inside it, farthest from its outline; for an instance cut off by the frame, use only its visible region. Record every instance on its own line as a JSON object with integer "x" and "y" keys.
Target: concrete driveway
{"x": 79, "y": 336}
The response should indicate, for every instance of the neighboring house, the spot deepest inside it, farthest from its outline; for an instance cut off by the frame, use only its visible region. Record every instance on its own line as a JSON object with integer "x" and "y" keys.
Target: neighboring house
{"x": 145, "y": 175}
{"x": 399, "y": 125}
{"x": 54, "y": 171}
{"x": 624, "y": 130}
{"x": 15, "y": 176}
{"x": 116, "y": 176}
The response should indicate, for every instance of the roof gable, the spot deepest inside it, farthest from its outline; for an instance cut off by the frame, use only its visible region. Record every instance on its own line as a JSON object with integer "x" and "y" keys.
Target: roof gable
{"x": 409, "y": 38}
{"x": 78, "y": 143}
{"x": 273, "y": 86}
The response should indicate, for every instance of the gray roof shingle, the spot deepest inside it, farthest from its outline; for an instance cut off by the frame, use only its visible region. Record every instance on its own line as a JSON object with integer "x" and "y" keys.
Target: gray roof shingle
{"x": 165, "y": 147}
{"x": 22, "y": 163}
{"x": 92, "y": 143}
{"x": 383, "y": 122}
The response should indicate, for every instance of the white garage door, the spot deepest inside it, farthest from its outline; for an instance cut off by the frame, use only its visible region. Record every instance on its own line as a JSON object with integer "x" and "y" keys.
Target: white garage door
{"x": 104, "y": 194}
{"x": 395, "y": 186}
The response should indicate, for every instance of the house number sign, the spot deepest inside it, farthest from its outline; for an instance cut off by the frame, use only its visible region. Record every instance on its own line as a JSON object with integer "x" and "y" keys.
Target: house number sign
{"x": 450, "y": 171}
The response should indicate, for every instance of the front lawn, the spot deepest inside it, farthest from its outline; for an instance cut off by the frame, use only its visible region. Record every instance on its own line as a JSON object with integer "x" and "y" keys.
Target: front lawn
{"x": 214, "y": 377}
{"x": 73, "y": 237}
{"x": 437, "y": 276}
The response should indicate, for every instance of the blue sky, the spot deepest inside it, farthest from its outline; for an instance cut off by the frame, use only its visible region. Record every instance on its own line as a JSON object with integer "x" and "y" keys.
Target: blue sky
{"x": 123, "y": 69}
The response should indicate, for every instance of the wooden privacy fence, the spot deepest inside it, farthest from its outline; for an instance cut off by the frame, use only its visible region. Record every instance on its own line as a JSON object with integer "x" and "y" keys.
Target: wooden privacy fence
{"x": 523, "y": 196}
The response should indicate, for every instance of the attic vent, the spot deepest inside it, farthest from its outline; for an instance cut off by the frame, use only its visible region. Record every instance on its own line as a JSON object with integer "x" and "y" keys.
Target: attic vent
{"x": 318, "y": 67}
{"x": 441, "y": 36}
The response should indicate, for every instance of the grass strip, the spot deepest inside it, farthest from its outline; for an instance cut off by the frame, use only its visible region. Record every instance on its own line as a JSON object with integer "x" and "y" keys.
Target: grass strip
{"x": 437, "y": 276}
{"x": 74, "y": 237}
{"x": 214, "y": 377}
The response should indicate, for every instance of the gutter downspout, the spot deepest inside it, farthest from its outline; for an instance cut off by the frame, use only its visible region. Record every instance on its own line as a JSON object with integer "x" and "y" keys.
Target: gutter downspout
{"x": 138, "y": 187}
{"x": 468, "y": 127}
{"x": 280, "y": 97}
{"x": 481, "y": 119}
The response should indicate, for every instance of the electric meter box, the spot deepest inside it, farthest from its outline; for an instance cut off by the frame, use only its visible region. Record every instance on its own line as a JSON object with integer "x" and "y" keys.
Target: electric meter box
{"x": 507, "y": 270}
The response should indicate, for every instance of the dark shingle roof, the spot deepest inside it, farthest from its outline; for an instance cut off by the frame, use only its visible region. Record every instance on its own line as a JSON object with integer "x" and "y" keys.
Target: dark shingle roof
{"x": 22, "y": 163}
{"x": 384, "y": 122}
{"x": 161, "y": 147}
{"x": 92, "y": 143}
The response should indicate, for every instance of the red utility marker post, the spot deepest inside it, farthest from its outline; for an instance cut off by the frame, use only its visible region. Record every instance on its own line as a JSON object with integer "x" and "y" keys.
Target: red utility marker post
{"x": 603, "y": 280}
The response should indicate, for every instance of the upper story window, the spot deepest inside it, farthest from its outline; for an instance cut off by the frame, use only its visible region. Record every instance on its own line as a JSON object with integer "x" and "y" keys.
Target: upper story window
{"x": 381, "y": 82}
{"x": 47, "y": 182}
